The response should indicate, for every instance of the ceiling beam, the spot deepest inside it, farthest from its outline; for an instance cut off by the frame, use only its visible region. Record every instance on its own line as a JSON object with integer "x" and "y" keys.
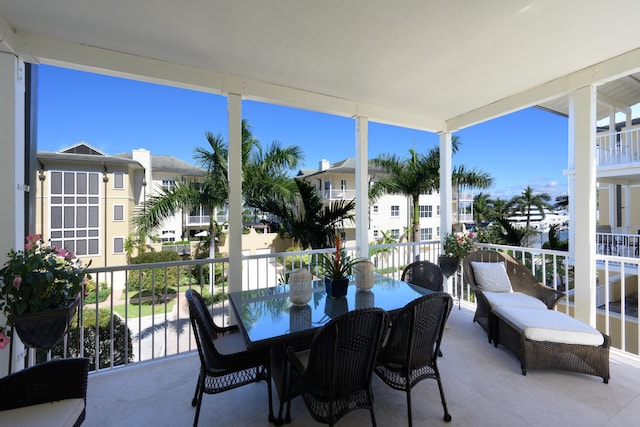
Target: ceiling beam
{"x": 603, "y": 72}
{"x": 43, "y": 50}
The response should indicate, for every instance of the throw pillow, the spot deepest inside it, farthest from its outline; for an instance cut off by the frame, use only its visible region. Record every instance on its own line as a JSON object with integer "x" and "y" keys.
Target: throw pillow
{"x": 491, "y": 276}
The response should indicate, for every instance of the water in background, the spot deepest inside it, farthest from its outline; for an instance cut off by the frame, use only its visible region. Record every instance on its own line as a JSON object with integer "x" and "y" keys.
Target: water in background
{"x": 538, "y": 239}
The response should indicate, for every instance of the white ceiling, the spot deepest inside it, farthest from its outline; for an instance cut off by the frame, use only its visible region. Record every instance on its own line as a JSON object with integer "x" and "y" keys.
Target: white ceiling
{"x": 435, "y": 65}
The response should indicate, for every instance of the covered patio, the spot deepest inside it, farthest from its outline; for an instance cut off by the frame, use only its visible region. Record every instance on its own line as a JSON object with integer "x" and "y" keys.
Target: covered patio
{"x": 483, "y": 386}
{"x": 437, "y": 66}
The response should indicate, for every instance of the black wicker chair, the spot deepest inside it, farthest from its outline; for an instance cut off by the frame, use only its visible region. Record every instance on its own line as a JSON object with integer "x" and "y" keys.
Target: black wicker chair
{"x": 411, "y": 352}
{"x": 53, "y": 381}
{"x": 225, "y": 361}
{"x": 424, "y": 274}
{"x": 334, "y": 375}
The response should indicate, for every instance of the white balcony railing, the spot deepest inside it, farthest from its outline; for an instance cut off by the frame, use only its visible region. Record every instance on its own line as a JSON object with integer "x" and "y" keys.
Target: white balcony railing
{"x": 137, "y": 334}
{"x": 198, "y": 220}
{"x": 338, "y": 194}
{"x": 619, "y": 147}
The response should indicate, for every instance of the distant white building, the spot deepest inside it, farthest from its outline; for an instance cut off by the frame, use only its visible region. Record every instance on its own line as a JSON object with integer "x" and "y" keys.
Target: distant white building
{"x": 390, "y": 213}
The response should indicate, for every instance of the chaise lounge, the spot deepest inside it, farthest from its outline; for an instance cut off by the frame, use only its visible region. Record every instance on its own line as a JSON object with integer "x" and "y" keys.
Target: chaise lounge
{"x": 520, "y": 316}
{"x": 492, "y": 290}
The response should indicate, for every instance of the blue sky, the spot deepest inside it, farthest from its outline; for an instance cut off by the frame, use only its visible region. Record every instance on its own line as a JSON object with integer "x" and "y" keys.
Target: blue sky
{"x": 115, "y": 115}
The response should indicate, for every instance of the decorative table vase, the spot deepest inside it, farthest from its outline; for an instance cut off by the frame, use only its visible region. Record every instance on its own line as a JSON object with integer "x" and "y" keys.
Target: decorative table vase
{"x": 300, "y": 286}
{"x": 336, "y": 288}
{"x": 45, "y": 328}
{"x": 364, "y": 275}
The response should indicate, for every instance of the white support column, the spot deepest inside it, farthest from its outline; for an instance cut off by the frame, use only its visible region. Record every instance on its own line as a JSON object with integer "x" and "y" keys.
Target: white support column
{"x": 571, "y": 178}
{"x": 362, "y": 187}
{"x": 583, "y": 110}
{"x": 446, "y": 198}
{"x": 12, "y": 178}
{"x": 234, "y": 237}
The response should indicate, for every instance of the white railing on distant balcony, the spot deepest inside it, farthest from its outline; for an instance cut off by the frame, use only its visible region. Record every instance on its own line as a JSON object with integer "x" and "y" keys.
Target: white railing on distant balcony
{"x": 198, "y": 219}
{"x": 618, "y": 147}
{"x": 135, "y": 334}
{"x": 618, "y": 244}
{"x": 338, "y": 194}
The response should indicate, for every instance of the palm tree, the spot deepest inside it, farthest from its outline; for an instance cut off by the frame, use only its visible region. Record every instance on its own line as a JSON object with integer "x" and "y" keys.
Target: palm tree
{"x": 527, "y": 200}
{"x": 420, "y": 174}
{"x": 263, "y": 171}
{"x": 314, "y": 225}
{"x": 482, "y": 208}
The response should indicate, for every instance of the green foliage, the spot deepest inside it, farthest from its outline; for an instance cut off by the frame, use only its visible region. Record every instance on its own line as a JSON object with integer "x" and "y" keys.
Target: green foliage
{"x": 144, "y": 280}
{"x": 458, "y": 244}
{"x": 39, "y": 277}
{"x": 102, "y": 294}
{"x": 122, "y": 348}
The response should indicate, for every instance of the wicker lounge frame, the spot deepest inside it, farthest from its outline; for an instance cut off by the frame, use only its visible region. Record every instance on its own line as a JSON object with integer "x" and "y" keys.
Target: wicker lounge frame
{"x": 586, "y": 359}
{"x": 521, "y": 278}
{"x": 51, "y": 381}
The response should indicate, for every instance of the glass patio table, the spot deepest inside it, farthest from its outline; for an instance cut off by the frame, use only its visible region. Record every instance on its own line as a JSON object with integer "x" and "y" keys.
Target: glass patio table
{"x": 267, "y": 318}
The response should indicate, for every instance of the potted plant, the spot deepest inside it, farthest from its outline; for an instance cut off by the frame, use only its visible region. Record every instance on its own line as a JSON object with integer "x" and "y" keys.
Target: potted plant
{"x": 456, "y": 247}
{"x": 336, "y": 267}
{"x": 39, "y": 292}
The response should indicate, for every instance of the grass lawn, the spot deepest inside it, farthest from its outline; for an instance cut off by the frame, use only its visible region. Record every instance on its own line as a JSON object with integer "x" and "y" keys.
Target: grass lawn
{"x": 135, "y": 310}
{"x": 146, "y": 309}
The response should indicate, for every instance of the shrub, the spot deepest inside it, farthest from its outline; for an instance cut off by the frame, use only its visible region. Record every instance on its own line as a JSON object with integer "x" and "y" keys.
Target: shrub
{"x": 122, "y": 350}
{"x": 171, "y": 276}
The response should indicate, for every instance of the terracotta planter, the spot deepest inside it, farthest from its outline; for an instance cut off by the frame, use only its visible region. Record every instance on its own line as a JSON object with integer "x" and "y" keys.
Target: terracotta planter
{"x": 46, "y": 327}
{"x": 336, "y": 288}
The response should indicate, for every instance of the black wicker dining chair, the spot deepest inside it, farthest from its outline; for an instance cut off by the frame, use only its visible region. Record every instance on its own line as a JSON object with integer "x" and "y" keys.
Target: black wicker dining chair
{"x": 411, "y": 352}
{"x": 424, "y": 274}
{"x": 334, "y": 375}
{"x": 225, "y": 361}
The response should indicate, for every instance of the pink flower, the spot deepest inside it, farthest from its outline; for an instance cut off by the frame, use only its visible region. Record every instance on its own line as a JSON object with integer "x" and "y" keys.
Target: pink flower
{"x": 32, "y": 240}
{"x": 4, "y": 340}
{"x": 69, "y": 256}
{"x": 17, "y": 281}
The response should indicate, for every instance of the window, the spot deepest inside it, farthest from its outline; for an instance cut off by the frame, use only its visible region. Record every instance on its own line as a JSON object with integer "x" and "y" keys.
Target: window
{"x": 395, "y": 210}
{"x": 118, "y": 212}
{"x": 343, "y": 184}
{"x": 168, "y": 184}
{"x": 375, "y": 234}
{"x": 438, "y": 210}
{"x": 426, "y": 234}
{"x": 426, "y": 211}
{"x": 375, "y": 209}
{"x": 75, "y": 211}
{"x": 395, "y": 233}
{"x": 118, "y": 180}
{"x": 118, "y": 245}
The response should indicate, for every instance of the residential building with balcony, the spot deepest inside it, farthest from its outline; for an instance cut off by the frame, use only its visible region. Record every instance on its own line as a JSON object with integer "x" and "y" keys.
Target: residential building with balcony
{"x": 390, "y": 213}
{"x": 85, "y": 199}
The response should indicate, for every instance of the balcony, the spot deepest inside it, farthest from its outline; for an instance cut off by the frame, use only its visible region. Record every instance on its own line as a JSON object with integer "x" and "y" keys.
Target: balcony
{"x": 483, "y": 386}
{"x": 330, "y": 195}
{"x": 618, "y": 148}
{"x": 158, "y": 371}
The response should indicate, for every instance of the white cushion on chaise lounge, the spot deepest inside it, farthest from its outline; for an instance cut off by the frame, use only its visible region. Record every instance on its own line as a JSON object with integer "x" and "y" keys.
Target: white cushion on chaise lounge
{"x": 513, "y": 299}
{"x": 550, "y": 326}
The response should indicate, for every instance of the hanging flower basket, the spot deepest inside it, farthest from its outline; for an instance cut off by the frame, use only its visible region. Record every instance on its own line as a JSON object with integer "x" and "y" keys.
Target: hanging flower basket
{"x": 448, "y": 264}
{"x": 45, "y": 328}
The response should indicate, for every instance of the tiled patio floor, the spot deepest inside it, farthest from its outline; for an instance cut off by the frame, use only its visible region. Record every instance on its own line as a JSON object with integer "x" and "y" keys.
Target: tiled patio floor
{"x": 483, "y": 387}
